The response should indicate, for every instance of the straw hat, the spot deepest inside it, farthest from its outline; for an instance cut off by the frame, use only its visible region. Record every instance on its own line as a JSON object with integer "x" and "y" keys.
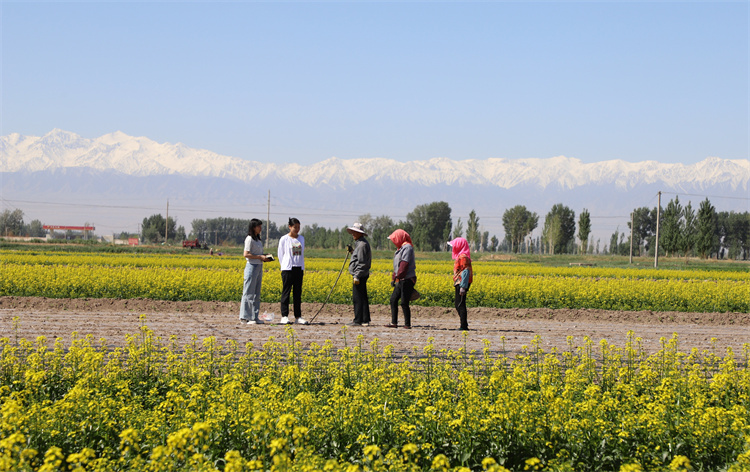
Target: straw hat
{"x": 356, "y": 227}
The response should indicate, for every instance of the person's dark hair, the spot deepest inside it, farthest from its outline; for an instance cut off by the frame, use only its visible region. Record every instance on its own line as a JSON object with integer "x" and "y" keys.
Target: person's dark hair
{"x": 254, "y": 223}
{"x": 293, "y": 221}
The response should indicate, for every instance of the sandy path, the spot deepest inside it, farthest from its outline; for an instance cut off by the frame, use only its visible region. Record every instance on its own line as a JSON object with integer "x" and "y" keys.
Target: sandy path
{"x": 114, "y": 319}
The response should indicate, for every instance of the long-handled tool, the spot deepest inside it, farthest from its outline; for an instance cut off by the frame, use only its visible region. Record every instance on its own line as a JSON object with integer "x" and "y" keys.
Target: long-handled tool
{"x": 349, "y": 251}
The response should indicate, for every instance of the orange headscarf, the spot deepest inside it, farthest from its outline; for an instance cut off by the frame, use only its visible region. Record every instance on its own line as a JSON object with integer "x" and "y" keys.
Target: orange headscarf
{"x": 400, "y": 237}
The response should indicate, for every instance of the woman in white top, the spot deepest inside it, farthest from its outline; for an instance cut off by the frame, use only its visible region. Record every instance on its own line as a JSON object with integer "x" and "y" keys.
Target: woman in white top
{"x": 253, "y": 253}
{"x": 292, "y": 262}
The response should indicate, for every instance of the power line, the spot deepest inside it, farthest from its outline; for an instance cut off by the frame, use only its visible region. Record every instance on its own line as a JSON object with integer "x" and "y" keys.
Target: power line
{"x": 121, "y": 207}
{"x": 84, "y": 205}
{"x": 707, "y": 196}
{"x": 311, "y": 213}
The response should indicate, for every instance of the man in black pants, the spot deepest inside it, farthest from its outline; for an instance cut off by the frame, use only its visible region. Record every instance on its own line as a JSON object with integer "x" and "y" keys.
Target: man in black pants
{"x": 359, "y": 268}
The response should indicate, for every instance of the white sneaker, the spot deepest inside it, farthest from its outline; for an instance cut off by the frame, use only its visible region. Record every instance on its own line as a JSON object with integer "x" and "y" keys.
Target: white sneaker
{"x": 301, "y": 321}
{"x": 250, "y": 322}
{"x": 284, "y": 320}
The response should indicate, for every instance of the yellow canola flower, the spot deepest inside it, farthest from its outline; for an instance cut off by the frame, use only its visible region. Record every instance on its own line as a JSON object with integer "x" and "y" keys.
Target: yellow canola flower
{"x": 156, "y": 405}
{"x": 481, "y": 268}
{"x": 503, "y": 286}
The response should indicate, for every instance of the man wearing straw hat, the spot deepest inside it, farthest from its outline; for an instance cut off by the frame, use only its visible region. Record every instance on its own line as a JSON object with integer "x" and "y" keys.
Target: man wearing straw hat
{"x": 359, "y": 268}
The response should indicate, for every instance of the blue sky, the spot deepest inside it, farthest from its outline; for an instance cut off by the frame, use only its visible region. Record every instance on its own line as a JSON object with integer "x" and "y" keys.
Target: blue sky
{"x": 304, "y": 81}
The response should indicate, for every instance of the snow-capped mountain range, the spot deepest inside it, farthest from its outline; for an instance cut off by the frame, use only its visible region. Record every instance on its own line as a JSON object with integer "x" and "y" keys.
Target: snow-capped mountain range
{"x": 117, "y": 180}
{"x": 141, "y": 157}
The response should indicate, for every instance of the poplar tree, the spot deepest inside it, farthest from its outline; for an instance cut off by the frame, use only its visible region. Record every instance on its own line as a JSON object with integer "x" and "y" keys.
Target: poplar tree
{"x": 706, "y": 229}
{"x": 670, "y": 232}
{"x": 552, "y": 232}
{"x": 493, "y": 243}
{"x": 644, "y": 227}
{"x": 458, "y": 229}
{"x": 472, "y": 230}
{"x": 565, "y": 219}
{"x": 613, "y": 249}
{"x": 688, "y": 226}
{"x": 584, "y": 229}
{"x": 518, "y": 223}
{"x": 431, "y": 225}
{"x": 152, "y": 228}
{"x": 11, "y": 223}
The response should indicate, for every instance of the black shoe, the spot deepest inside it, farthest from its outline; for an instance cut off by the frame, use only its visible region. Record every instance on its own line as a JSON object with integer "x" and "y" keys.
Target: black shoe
{"x": 406, "y": 326}
{"x": 354, "y": 323}
{"x": 391, "y": 325}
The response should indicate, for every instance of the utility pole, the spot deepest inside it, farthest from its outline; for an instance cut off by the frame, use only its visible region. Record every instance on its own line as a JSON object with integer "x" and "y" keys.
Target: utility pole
{"x": 166, "y": 224}
{"x": 658, "y": 218}
{"x": 631, "y": 236}
{"x": 268, "y": 216}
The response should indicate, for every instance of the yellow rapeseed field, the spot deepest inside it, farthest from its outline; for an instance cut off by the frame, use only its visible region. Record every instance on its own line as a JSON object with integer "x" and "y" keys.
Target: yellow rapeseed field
{"x": 188, "y": 277}
{"x": 157, "y": 406}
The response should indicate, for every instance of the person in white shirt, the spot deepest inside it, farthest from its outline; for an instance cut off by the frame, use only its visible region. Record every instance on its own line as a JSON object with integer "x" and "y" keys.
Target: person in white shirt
{"x": 292, "y": 262}
{"x": 250, "y": 305}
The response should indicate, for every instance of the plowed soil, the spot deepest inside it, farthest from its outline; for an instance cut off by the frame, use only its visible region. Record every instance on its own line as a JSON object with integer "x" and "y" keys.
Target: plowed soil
{"x": 507, "y": 329}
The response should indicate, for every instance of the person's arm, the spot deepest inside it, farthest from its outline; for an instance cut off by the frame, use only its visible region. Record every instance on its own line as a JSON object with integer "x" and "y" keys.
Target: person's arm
{"x": 464, "y": 285}
{"x": 354, "y": 263}
{"x": 367, "y": 262}
{"x": 403, "y": 264}
{"x": 301, "y": 240}
{"x": 250, "y": 255}
{"x": 464, "y": 274}
{"x": 402, "y": 267}
{"x": 247, "y": 248}
{"x": 281, "y": 251}
{"x": 361, "y": 260}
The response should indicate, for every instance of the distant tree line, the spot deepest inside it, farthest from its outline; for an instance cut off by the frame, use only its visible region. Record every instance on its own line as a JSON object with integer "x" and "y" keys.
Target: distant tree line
{"x": 211, "y": 231}
{"x": 11, "y": 224}
{"x": 558, "y": 233}
{"x": 428, "y": 225}
{"x": 152, "y": 229}
{"x": 216, "y": 231}
{"x": 683, "y": 231}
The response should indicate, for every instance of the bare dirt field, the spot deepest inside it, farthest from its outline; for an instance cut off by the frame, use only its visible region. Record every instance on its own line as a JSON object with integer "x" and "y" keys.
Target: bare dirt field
{"x": 506, "y": 329}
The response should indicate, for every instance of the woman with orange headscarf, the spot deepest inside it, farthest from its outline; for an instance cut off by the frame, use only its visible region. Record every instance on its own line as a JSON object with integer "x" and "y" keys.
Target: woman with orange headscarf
{"x": 403, "y": 278}
{"x": 463, "y": 276}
